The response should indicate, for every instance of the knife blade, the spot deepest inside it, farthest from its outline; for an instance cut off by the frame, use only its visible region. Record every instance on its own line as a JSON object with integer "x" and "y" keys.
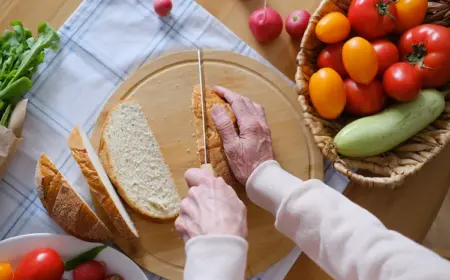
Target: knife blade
{"x": 206, "y": 166}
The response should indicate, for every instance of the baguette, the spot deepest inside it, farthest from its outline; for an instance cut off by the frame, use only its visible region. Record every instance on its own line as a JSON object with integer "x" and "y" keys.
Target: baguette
{"x": 99, "y": 184}
{"x": 65, "y": 205}
{"x": 216, "y": 154}
{"x": 133, "y": 161}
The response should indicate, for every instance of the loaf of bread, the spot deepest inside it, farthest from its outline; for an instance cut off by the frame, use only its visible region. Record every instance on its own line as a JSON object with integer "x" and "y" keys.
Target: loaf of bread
{"x": 99, "y": 183}
{"x": 65, "y": 205}
{"x": 215, "y": 153}
{"x": 133, "y": 161}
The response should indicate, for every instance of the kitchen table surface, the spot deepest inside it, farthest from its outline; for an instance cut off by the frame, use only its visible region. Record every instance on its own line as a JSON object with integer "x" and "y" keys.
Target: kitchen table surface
{"x": 410, "y": 209}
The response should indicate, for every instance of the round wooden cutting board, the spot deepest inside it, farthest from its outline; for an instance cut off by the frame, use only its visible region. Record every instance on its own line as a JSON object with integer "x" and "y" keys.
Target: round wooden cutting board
{"x": 163, "y": 88}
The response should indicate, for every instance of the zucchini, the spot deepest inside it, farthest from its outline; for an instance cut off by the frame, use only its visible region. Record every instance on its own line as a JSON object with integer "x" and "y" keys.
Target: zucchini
{"x": 373, "y": 135}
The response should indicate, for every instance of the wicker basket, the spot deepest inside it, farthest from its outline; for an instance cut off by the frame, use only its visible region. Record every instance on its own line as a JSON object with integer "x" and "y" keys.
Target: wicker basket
{"x": 394, "y": 166}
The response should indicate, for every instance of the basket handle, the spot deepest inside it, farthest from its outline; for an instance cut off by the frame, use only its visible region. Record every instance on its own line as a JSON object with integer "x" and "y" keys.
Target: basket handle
{"x": 372, "y": 182}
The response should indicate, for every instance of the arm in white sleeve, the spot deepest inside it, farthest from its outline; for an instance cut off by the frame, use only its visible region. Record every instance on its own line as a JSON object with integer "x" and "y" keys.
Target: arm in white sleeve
{"x": 344, "y": 239}
{"x": 218, "y": 257}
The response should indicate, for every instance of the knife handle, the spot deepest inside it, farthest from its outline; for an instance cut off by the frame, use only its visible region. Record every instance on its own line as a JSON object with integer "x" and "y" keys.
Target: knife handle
{"x": 208, "y": 168}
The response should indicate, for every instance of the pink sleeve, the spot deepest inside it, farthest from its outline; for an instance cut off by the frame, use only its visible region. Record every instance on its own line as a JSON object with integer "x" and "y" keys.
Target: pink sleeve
{"x": 344, "y": 239}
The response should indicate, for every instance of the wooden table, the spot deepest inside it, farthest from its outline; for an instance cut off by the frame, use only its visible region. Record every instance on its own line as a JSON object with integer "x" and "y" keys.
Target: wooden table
{"x": 409, "y": 210}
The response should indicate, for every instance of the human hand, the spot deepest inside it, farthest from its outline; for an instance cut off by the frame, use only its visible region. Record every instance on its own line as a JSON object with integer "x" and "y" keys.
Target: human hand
{"x": 253, "y": 145}
{"x": 211, "y": 207}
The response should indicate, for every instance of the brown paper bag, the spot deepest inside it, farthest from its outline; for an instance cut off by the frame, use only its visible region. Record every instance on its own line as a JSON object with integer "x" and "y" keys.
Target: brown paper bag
{"x": 11, "y": 137}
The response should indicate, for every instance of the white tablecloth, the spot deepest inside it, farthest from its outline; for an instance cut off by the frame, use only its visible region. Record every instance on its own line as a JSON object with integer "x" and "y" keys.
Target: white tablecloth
{"x": 102, "y": 43}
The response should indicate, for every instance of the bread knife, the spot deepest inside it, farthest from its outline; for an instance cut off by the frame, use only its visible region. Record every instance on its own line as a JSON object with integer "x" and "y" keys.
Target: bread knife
{"x": 205, "y": 166}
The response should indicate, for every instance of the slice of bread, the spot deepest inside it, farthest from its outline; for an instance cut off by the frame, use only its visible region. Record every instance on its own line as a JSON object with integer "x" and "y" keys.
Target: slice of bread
{"x": 134, "y": 163}
{"x": 101, "y": 187}
{"x": 65, "y": 205}
{"x": 216, "y": 155}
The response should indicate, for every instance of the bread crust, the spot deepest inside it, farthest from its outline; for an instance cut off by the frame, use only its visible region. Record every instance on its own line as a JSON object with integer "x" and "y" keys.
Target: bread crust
{"x": 216, "y": 154}
{"x": 98, "y": 189}
{"x": 65, "y": 207}
{"x": 109, "y": 168}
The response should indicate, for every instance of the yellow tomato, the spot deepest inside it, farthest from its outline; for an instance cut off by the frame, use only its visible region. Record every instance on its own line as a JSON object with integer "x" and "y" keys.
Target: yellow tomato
{"x": 327, "y": 93}
{"x": 360, "y": 60}
{"x": 332, "y": 28}
{"x": 410, "y": 13}
{"x": 6, "y": 271}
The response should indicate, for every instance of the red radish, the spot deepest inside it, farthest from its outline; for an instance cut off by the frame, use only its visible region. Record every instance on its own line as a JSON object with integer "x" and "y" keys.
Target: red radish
{"x": 266, "y": 24}
{"x": 92, "y": 270}
{"x": 296, "y": 23}
{"x": 162, "y": 7}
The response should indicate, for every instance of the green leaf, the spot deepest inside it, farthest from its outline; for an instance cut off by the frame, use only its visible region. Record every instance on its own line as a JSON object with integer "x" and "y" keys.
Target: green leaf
{"x": 17, "y": 88}
{"x": 83, "y": 257}
{"x": 6, "y": 115}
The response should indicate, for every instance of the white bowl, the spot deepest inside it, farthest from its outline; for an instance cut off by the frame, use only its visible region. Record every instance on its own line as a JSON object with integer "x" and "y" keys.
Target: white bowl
{"x": 12, "y": 250}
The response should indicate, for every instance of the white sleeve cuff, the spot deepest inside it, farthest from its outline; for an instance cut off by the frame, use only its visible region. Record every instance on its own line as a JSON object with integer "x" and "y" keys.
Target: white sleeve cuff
{"x": 269, "y": 184}
{"x": 218, "y": 257}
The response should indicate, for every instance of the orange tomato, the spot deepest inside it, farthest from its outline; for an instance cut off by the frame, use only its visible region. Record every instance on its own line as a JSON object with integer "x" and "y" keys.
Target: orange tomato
{"x": 360, "y": 60}
{"x": 327, "y": 93}
{"x": 6, "y": 271}
{"x": 332, "y": 28}
{"x": 410, "y": 13}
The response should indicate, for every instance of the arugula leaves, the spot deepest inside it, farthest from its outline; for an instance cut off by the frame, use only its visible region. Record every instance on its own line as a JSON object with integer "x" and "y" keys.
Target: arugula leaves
{"x": 20, "y": 56}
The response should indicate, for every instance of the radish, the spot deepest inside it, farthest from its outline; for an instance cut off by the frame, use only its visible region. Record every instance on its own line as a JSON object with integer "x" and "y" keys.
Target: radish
{"x": 162, "y": 7}
{"x": 266, "y": 24}
{"x": 297, "y": 22}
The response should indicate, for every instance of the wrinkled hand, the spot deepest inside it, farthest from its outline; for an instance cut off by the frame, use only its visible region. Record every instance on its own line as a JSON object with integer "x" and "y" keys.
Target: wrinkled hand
{"x": 254, "y": 144}
{"x": 211, "y": 207}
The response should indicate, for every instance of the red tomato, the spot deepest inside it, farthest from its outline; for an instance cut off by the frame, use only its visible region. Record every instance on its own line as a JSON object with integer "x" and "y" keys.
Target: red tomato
{"x": 372, "y": 18}
{"x": 363, "y": 100}
{"x": 40, "y": 264}
{"x": 331, "y": 57}
{"x": 402, "y": 82}
{"x": 387, "y": 54}
{"x": 427, "y": 46}
{"x": 90, "y": 270}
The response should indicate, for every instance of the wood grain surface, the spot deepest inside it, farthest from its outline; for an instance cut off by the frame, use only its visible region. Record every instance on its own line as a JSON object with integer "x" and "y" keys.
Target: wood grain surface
{"x": 410, "y": 209}
{"x": 164, "y": 88}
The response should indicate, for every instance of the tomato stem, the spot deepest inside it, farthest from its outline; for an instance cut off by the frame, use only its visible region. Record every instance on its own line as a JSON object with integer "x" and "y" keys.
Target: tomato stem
{"x": 418, "y": 55}
{"x": 383, "y": 8}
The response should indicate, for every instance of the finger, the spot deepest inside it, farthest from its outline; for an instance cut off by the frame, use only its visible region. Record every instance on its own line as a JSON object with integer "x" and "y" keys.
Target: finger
{"x": 187, "y": 208}
{"x": 181, "y": 228}
{"x": 197, "y": 176}
{"x": 250, "y": 105}
{"x": 224, "y": 124}
{"x": 260, "y": 110}
{"x": 238, "y": 102}
{"x": 229, "y": 95}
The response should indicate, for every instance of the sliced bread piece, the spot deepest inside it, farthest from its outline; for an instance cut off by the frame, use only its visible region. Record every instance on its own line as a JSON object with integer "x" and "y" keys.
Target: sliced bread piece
{"x": 133, "y": 161}
{"x": 65, "y": 205}
{"x": 216, "y": 154}
{"x": 101, "y": 188}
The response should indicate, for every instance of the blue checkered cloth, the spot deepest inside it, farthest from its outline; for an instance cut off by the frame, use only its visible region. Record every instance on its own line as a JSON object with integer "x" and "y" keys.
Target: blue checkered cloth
{"x": 102, "y": 43}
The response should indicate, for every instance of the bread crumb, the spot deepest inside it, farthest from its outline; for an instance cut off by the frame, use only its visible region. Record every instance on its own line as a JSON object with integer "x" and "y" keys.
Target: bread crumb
{"x": 188, "y": 150}
{"x": 193, "y": 134}
{"x": 190, "y": 122}
{"x": 165, "y": 117}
